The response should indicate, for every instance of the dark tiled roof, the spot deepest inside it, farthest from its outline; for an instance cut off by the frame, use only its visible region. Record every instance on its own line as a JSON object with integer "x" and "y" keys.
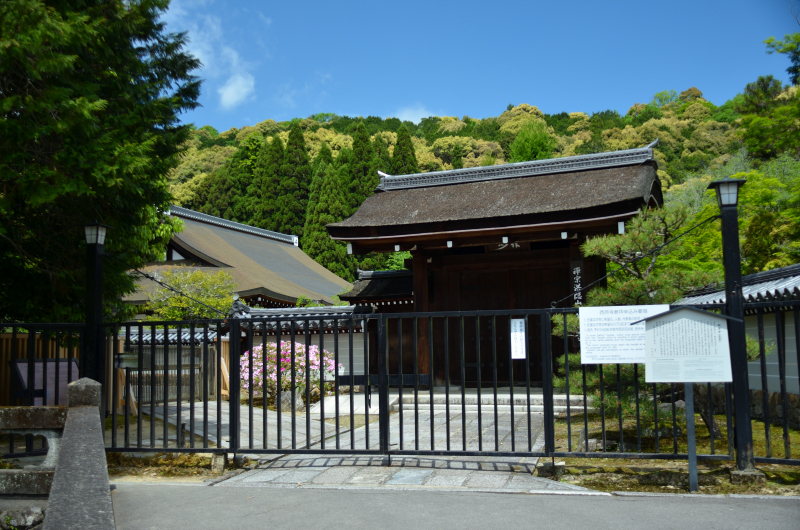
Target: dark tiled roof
{"x": 774, "y": 285}
{"x": 506, "y": 201}
{"x": 261, "y": 262}
{"x": 550, "y": 166}
{"x": 381, "y": 285}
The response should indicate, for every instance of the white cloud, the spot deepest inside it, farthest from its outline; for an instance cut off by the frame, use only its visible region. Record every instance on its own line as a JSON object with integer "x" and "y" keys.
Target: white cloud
{"x": 266, "y": 20}
{"x": 285, "y": 95}
{"x": 236, "y": 90}
{"x": 223, "y": 66}
{"x": 413, "y": 113}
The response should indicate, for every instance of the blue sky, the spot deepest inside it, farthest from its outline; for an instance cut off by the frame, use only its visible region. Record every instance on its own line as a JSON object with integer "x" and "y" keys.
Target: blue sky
{"x": 411, "y": 59}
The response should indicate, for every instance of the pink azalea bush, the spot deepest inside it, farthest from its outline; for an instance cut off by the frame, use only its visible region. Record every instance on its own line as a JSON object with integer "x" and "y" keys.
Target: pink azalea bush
{"x": 265, "y": 368}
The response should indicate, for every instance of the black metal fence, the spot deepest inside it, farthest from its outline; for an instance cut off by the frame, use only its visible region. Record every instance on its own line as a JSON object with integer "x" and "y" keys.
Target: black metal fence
{"x": 447, "y": 383}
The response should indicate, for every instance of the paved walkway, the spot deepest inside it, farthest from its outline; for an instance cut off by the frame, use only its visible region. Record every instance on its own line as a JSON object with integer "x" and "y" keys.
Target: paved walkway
{"x": 456, "y": 473}
{"x": 159, "y": 506}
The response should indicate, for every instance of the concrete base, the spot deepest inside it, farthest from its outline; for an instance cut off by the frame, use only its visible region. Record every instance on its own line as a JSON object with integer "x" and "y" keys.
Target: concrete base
{"x": 748, "y": 477}
{"x": 25, "y": 482}
{"x": 551, "y": 470}
{"x": 219, "y": 461}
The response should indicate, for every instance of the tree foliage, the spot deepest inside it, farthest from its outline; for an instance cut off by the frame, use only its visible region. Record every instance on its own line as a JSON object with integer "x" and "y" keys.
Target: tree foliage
{"x": 532, "y": 143}
{"x": 214, "y": 289}
{"x": 404, "y": 158}
{"x": 293, "y": 186}
{"x": 90, "y": 94}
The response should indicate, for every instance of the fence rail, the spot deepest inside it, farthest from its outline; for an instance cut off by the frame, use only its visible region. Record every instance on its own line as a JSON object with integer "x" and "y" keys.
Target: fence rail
{"x": 444, "y": 383}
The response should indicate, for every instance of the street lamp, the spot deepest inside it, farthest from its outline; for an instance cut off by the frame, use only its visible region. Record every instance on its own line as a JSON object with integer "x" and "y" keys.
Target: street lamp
{"x": 728, "y": 197}
{"x": 93, "y": 364}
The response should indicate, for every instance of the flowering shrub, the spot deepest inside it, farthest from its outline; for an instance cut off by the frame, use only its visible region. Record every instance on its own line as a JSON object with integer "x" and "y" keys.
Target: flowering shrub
{"x": 265, "y": 368}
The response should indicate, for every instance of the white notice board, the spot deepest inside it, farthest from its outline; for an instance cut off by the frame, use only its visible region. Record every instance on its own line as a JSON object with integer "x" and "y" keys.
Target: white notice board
{"x": 687, "y": 347}
{"x": 518, "y": 338}
{"x": 607, "y": 336}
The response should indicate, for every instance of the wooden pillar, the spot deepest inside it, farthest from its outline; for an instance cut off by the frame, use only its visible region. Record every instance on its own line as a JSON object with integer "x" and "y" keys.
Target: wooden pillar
{"x": 421, "y": 305}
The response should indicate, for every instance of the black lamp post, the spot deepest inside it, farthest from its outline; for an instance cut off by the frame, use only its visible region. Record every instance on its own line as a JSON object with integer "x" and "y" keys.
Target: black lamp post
{"x": 93, "y": 362}
{"x": 728, "y": 198}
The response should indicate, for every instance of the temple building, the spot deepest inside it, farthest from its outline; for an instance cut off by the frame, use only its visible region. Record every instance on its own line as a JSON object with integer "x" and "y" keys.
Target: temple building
{"x": 269, "y": 268}
{"x": 496, "y": 238}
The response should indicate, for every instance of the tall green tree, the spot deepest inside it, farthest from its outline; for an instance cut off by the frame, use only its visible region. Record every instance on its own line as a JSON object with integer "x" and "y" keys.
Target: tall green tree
{"x": 404, "y": 158}
{"x": 533, "y": 142}
{"x": 381, "y": 159}
{"x": 324, "y": 156}
{"x": 458, "y": 156}
{"x": 313, "y": 198}
{"x": 230, "y": 191}
{"x": 293, "y": 187}
{"x": 267, "y": 177}
{"x": 90, "y": 98}
{"x": 361, "y": 181}
{"x": 331, "y": 208}
{"x": 790, "y": 45}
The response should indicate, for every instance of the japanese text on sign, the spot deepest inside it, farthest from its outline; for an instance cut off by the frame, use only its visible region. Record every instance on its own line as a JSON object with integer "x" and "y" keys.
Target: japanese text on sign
{"x": 518, "y": 338}
{"x": 608, "y": 337}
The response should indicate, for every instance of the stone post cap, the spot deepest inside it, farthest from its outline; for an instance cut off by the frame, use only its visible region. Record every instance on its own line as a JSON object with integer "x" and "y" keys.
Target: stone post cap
{"x": 84, "y": 392}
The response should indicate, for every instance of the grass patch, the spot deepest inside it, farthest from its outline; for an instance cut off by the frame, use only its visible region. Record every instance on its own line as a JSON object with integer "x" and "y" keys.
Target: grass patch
{"x": 161, "y": 465}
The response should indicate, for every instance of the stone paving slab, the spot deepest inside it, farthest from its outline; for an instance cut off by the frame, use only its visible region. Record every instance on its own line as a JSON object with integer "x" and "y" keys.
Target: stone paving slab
{"x": 455, "y": 473}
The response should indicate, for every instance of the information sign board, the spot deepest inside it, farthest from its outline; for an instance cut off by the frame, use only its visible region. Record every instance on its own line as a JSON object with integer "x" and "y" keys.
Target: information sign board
{"x": 607, "y": 336}
{"x": 518, "y": 338}
{"x": 687, "y": 346}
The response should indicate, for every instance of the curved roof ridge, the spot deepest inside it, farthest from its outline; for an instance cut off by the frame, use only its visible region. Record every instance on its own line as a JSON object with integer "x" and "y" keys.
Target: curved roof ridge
{"x": 519, "y": 169}
{"x": 232, "y": 225}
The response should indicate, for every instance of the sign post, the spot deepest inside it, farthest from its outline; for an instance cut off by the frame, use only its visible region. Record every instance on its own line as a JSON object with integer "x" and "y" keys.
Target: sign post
{"x": 690, "y": 346}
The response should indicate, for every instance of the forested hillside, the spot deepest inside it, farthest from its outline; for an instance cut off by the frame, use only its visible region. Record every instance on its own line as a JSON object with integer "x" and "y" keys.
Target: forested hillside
{"x": 297, "y": 176}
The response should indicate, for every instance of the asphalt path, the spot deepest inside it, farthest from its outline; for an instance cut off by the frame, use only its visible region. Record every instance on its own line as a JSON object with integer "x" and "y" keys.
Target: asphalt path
{"x": 149, "y": 506}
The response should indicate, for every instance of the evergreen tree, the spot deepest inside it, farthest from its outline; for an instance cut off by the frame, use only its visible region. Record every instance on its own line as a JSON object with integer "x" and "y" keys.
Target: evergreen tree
{"x": 228, "y": 191}
{"x": 404, "y": 160}
{"x": 91, "y": 96}
{"x": 324, "y": 156}
{"x": 330, "y": 208}
{"x": 361, "y": 182}
{"x": 313, "y": 196}
{"x": 458, "y": 157}
{"x": 266, "y": 179}
{"x": 293, "y": 187}
{"x": 381, "y": 159}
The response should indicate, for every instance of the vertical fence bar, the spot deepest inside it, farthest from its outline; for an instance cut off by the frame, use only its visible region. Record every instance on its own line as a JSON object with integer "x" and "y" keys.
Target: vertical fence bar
{"x": 234, "y": 383}
{"x": 192, "y": 377}
{"x": 780, "y": 327}
{"x": 127, "y": 407}
{"x": 57, "y": 367}
{"x": 352, "y": 415}
{"x": 674, "y": 421}
{"x": 547, "y": 384}
{"x": 368, "y": 396}
{"x": 152, "y": 408}
{"x": 528, "y": 383}
{"x": 566, "y": 381}
{"x": 250, "y": 387}
{"x": 416, "y": 384}
{"x": 218, "y": 371}
{"x": 293, "y": 386}
{"x": 655, "y": 419}
{"x": 322, "y": 385}
{"x": 602, "y": 407}
{"x": 383, "y": 379}
{"x": 431, "y": 372}
{"x": 279, "y": 383}
{"x": 619, "y": 408}
{"x": 711, "y": 416}
{"x": 511, "y": 388}
{"x": 447, "y": 378}
{"x": 638, "y": 417}
{"x": 336, "y": 378}
{"x": 400, "y": 372}
{"x": 479, "y": 369}
{"x": 179, "y": 384}
{"x": 729, "y": 418}
{"x": 205, "y": 384}
{"x": 307, "y": 374}
{"x": 762, "y": 357}
{"x": 463, "y": 385}
{"x": 264, "y": 376}
{"x": 493, "y": 331}
{"x": 139, "y": 387}
{"x": 164, "y": 407}
{"x": 115, "y": 390}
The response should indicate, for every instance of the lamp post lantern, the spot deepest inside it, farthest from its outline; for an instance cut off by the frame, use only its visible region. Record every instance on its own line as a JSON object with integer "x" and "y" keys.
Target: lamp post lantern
{"x": 728, "y": 197}
{"x": 93, "y": 364}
